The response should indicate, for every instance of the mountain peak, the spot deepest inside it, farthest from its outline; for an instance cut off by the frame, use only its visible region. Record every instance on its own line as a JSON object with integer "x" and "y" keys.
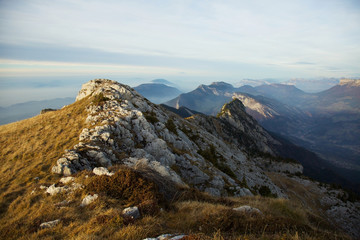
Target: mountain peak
{"x": 221, "y": 85}
{"x": 234, "y": 112}
{"x": 234, "y": 106}
{"x": 163, "y": 81}
{"x": 109, "y": 88}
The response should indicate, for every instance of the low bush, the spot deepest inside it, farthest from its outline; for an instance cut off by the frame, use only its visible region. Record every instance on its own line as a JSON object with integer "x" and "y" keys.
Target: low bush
{"x": 210, "y": 155}
{"x": 151, "y": 117}
{"x": 170, "y": 125}
{"x": 266, "y": 192}
{"x": 127, "y": 185}
{"x": 100, "y": 98}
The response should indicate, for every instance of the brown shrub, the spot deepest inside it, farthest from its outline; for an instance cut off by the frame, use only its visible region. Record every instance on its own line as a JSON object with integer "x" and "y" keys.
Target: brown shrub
{"x": 127, "y": 185}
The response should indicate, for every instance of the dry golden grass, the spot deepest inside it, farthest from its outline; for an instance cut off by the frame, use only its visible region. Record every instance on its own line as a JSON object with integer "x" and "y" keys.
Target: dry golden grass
{"x": 30, "y": 147}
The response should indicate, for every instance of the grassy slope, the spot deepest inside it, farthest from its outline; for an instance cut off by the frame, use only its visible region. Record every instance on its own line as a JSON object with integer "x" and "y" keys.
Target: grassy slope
{"x": 28, "y": 150}
{"x": 30, "y": 147}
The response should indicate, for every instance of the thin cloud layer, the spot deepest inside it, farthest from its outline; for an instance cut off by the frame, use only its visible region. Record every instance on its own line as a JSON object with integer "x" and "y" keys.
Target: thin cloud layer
{"x": 192, "y": 41}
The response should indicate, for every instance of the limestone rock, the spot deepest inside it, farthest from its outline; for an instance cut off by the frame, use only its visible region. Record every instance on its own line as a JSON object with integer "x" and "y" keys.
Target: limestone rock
{"x": 66, "y": 180}
{"x": 50, "y": 224}
{"x": 88, "y": 200}
{"x": 102, "y": 171}
{"x": 248, "y": 210}
{"x": 132, "y": 212}
{"x": 167, "y": 237}
{"x": 53, "y": 190}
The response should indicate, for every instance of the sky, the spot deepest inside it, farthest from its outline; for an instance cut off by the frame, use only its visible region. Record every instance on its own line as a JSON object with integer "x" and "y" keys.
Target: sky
{"x": 49, "y": 48}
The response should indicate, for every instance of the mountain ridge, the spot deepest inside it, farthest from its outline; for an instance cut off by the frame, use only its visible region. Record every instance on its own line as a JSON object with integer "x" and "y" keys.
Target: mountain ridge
{"x": 326, "y": 123}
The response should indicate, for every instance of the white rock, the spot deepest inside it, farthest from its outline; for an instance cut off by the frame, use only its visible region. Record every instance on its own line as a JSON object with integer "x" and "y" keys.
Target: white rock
{"x": 177, "y": 237}
{"x": 247, "y": 209}
{"x": 164, "y": 236}
{"x": 66, "y": 180}
{"x": 50, "y": 224}
{"x": 52, "y": 190}
{"x": 102, "y": 171}
{"x": 167, "y": 236}
{"x": 88, "y": 199}
{"x": 132, "y": 212}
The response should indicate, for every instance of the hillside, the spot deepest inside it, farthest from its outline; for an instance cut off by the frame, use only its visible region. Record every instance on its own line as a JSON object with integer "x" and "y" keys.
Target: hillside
{"x": 72, "y": 173}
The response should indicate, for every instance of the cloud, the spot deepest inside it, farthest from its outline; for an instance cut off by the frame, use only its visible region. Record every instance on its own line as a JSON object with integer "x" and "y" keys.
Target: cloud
{"x": 187, "y": 34}
{"x": 304, "y": 63}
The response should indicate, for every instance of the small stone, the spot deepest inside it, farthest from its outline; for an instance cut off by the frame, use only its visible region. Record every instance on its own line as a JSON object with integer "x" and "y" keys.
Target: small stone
{"x": 132, "y": 212}
{"x": 50, "y": 224}
{"x": 247, "y": 209}
{"x": 88, "y": 199}
{"x": 102, "y": 171}
{"x": 66, "y": 180}
{"x": 52, "y": 190}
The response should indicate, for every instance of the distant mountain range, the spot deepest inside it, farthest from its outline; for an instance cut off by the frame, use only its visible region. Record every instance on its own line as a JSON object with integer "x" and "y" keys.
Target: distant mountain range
{"x": 24, "y": 110}
{"x": 327, "y": 123}
{"x": 158, "y": 92}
